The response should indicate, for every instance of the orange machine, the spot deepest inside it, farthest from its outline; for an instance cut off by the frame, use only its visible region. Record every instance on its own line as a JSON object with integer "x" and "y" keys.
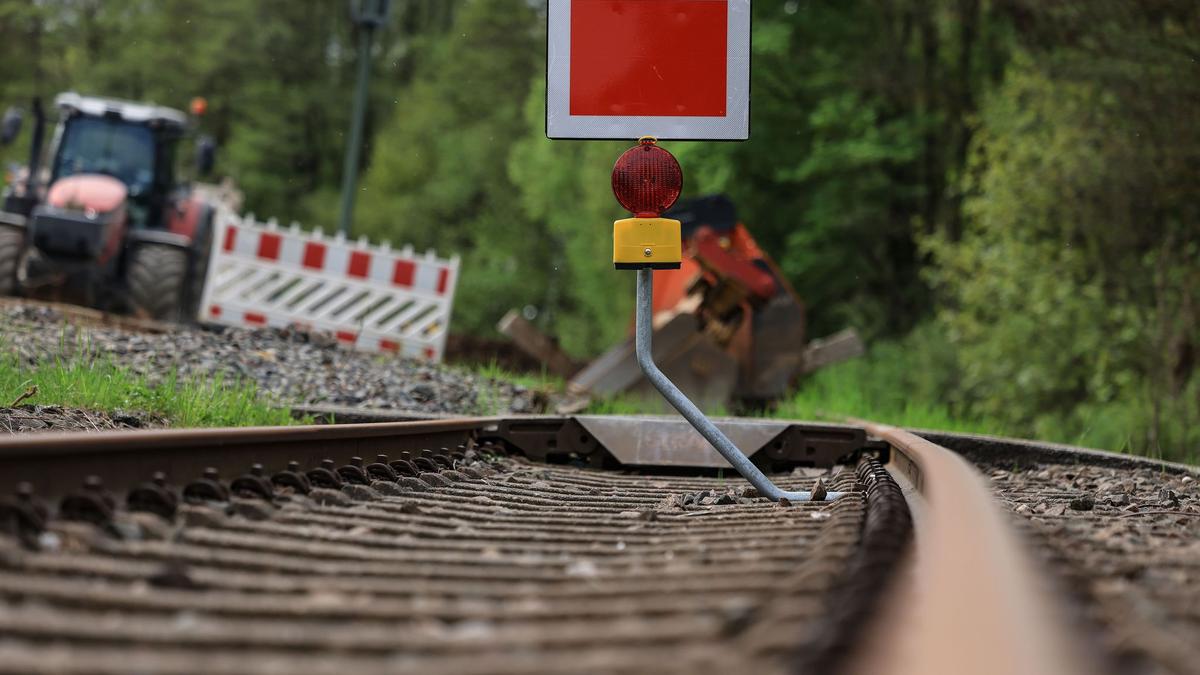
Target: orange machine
{"x": 728, "y": 327}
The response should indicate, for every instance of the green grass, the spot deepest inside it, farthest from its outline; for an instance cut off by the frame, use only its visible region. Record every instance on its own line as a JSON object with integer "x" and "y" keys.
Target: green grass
{"x": 832, "y": 395}
{"x": 87, "y": 381}
{"x": 895, "y": 386}
{"x": 490, "y": 402}
{"x": 856, "y": 390}
{"x": 617, "y": 405}
{"x": 544, "y": 380}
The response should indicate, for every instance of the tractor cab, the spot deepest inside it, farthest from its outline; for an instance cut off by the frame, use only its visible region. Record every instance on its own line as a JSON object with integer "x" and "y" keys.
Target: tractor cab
{"x": 100, "y": 218}
{"x": 133, "y": 143}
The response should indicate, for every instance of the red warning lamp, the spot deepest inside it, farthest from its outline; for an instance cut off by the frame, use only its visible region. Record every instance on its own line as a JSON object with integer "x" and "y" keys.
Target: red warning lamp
{"x": 647, "y": 179}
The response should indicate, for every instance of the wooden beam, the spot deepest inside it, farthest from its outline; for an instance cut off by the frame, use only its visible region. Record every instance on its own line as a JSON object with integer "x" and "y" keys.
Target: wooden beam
{"x": 536, "y": 344}
{"x": 841, "y": 346}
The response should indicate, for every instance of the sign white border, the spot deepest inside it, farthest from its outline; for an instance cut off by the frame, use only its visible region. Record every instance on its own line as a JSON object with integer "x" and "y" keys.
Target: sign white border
{"x": 561, "y": 124}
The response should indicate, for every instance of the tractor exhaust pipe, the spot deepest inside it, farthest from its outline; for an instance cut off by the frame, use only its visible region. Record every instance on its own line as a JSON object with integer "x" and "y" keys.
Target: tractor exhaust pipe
{"x": 17, "y": 203}
{"x": 35, "y": 149}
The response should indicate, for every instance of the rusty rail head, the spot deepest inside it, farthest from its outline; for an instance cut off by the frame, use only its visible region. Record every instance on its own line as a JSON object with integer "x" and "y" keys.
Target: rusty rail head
{"x": 973, "y": 601}
{"x": 57, "y": 463}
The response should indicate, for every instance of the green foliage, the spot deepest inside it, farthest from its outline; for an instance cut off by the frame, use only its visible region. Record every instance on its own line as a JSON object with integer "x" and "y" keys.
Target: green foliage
{"x": 620, "y": 405}
{"x": 565, "y": 188}
{"x": 545, "y": 380}
{"x": 439, "y": 173}
{"x": 278, "y": 76}
{"x": 97, "y": 384}
{"x": 906, "y": 383}
{"x": 858, "y": 117}
{"x": 901, "y": 382}
{"x": 1071, "y": 299}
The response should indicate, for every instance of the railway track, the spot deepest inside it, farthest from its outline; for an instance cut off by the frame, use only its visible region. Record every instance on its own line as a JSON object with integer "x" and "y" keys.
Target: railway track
{"x": 535, "y": 545}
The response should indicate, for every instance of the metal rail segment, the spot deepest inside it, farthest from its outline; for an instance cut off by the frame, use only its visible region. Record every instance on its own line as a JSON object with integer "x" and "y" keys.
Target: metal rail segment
{"x": 463, "y": 553}
{"x": 56, "y": 463}
{"x": 462, "y": 559}
{"x": 970, "y": 578}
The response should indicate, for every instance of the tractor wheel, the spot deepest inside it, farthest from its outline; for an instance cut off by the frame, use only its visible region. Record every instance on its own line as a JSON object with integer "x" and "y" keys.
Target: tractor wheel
{"x": 157, "y": 279}
{"x": 12, "y": 240}
{"x": 199, "y": 274}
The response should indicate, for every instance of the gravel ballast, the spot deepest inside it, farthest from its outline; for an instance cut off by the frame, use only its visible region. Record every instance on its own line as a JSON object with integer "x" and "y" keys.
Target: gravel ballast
{"x": 290, "y": 367}
{"x": 1127, "y": 543}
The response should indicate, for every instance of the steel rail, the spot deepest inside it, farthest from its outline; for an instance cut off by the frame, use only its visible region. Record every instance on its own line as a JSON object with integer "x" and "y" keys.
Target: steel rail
{"x": 968, "y": 600}
{"x": 58, "y": 463}
{"x": 972, "y": 601}
{"x": 500, "y": 542}
{"x": 645, "y": 358}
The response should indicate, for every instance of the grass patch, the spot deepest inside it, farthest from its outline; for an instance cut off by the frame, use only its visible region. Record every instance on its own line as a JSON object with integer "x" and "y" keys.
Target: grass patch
{"x": 907, "y": 385}
{"x": 864, "y": 388}
{"x": 544, "y": 380}
{"x": 490, "y": 400}
{"x": 621, "y": 404}
{"x": 87, "y": 381}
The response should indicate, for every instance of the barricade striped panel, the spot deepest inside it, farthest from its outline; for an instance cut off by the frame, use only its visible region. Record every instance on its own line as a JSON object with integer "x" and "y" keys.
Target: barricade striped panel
{"x": 371, "y": 297}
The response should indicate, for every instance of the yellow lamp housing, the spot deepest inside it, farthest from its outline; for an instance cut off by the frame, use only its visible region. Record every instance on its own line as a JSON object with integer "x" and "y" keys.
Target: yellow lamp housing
{"x": 647, "y": 243}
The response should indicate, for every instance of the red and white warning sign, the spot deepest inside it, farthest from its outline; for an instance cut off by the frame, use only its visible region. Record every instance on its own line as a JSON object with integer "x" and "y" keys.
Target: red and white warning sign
{"x": 372, "y": 298}
{"x": 672, "y": 69}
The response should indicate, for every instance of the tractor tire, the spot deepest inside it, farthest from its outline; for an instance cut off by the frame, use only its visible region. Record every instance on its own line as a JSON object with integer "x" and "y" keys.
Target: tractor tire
{"x": 157, "y": 278}
{"x": 199, "y": 273}
{"x": 12, "y": 241}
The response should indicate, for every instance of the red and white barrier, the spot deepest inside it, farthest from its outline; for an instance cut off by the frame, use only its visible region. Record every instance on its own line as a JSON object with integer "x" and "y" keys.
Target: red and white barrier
{"x": 370, "y": 297}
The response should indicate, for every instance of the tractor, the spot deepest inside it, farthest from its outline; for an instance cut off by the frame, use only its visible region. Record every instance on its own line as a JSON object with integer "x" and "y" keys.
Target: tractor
{"x": 100, "y": 219}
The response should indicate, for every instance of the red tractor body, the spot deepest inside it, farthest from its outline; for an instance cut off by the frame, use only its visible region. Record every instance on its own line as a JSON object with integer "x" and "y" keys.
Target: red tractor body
{"x": 101, "y": 219}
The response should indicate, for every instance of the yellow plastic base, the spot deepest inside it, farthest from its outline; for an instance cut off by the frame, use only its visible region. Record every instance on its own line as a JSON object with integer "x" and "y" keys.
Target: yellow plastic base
{"x": 647, "y": 242}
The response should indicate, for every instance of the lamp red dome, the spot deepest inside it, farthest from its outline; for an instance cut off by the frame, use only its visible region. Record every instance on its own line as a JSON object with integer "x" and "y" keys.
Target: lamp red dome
{"x": 647, "y": 180}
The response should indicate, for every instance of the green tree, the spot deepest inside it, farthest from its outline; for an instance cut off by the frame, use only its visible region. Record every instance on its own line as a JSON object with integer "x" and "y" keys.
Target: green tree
{"x": 565, "y": 188}
{"x": 1071, "y": 298}
{"x": 438, "y": 174}
{"x": 277, "y": 76}
{"x": 858, "y": 124}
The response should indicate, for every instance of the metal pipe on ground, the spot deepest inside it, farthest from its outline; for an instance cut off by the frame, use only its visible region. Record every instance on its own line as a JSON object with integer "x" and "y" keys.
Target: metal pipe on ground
{"x": 644, "y": 336}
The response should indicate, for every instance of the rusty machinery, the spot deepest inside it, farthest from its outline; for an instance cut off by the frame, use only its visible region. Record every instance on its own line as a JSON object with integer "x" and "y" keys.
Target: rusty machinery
{"x": 727, "y": 325}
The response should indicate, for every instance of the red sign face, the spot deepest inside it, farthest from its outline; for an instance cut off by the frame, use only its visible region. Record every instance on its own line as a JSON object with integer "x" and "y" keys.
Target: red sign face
{"x": 632, "y": 57}
{"x": 673, "y": 69}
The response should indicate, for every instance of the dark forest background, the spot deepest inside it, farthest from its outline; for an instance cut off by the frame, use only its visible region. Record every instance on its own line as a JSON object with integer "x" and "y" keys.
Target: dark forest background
{"x": 1002, "y": 196}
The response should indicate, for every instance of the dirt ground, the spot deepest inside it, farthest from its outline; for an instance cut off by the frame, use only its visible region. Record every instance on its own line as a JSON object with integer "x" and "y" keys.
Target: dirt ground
{"x": 33, "y": 418}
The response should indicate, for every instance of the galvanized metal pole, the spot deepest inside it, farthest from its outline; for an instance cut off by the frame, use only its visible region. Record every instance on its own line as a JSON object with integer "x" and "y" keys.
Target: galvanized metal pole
{"x": 354, "y": 143}
{"x": 642, "y": 344}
